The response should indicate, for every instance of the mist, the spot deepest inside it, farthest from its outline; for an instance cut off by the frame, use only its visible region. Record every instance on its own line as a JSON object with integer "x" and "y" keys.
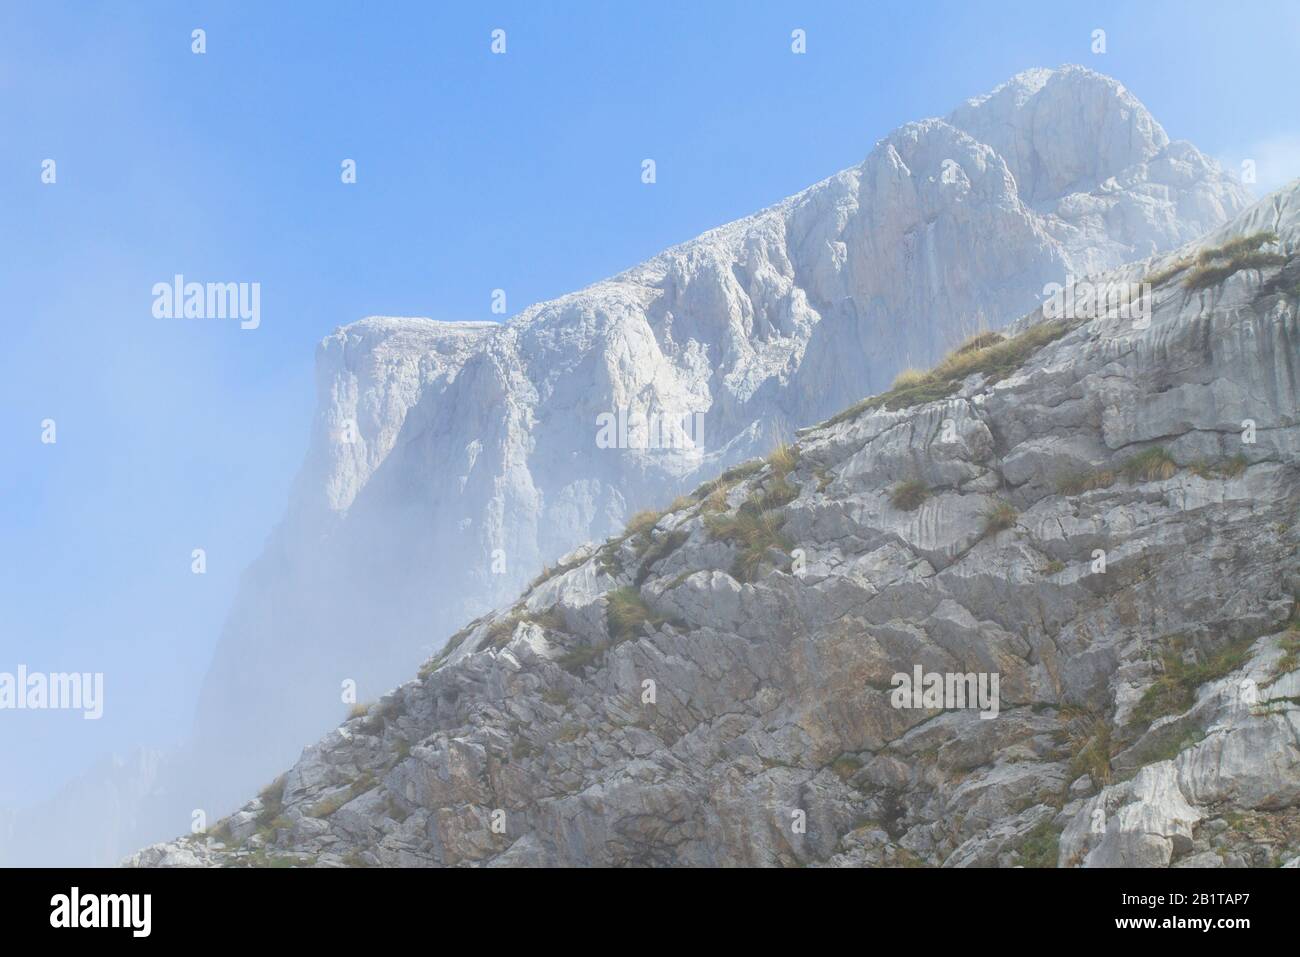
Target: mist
{"x": 167, "y": 518}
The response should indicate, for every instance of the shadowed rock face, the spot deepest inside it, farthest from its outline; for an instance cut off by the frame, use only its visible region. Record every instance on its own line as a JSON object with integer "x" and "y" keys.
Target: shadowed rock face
{"x": 719, "y": 688}
{"x": 449, "y": 461}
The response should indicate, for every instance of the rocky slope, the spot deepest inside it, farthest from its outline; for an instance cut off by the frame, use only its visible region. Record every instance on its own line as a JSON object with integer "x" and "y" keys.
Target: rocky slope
{"x": 1102, "y": 512}
{"x": 450, "y": 461}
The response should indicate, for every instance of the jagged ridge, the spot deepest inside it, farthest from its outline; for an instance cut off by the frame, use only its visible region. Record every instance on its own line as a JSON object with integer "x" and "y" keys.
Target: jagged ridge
{"x": 471, "y": 457}
{"x": 1148, "y": 711}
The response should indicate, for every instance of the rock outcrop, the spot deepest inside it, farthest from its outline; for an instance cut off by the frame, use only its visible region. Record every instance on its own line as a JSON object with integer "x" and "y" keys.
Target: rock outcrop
{"x": 1098, "y": 511}
{"x": 450, "y": 461}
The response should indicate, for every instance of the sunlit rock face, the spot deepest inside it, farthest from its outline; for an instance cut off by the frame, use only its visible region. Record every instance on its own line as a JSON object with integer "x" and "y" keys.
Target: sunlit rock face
{"x": 450, "y": 461}
{"x": 1102, "y": 514}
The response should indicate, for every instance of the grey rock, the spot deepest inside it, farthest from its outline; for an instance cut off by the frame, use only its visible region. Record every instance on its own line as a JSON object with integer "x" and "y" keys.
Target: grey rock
{"x": 443, "y": 445}
{"x": 740, "y": 713}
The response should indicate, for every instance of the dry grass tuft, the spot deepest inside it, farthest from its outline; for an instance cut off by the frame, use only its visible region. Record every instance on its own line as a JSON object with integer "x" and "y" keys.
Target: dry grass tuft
{"x": 909, "y": 494}
{"x": 1152, "y": 465}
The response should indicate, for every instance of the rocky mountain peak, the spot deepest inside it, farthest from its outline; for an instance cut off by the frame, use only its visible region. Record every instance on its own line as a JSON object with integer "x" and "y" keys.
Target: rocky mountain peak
{"x": 450, "y": 461}
{"x": 1063, "y": 131}
{"x": 1036, "y": 605}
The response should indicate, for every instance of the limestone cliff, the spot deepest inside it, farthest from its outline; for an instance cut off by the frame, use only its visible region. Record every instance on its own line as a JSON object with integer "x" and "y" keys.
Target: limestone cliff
{"x": 450, "y": 461}
{"x": 1098, "y": 509}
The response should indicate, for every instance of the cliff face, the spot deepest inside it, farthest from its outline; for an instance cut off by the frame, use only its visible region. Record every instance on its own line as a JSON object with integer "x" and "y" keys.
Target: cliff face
{"x": 61, "y": 831}
{"x": 1095, "y": 518}
{"x": 450, "y": 461}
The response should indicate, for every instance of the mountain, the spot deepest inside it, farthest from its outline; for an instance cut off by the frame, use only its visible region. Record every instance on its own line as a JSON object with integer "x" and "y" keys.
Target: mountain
{"x": 449, "y": 462}
{"x": 61, "y": 832}
{"x": 1089, "y": 522}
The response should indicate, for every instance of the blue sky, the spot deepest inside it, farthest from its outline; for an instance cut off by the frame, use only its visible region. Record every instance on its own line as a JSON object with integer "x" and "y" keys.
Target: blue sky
{"x": 475, "y": 172}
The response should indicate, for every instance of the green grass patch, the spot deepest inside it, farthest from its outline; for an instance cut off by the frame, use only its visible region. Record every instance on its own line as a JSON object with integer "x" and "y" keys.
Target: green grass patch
{"x": 1236, "y": 247}
{"x": 627, "y": 614}
{"x": 221, "y": 833}
{"x": 543, "y": 576}
{"x": 981, "y": 340}
{"x": 503, "y": 629}
{"x": 1076, "y": 483}
{"x": 657, "y": 551}
{"x": 1176, "y": 746}
{"x": 1203, "y": 277}
{"x": 909, "y": 494}
{"x": 1290, "y": 659}
{"x": 994, "y": 358}
{"x": 755, "y": 527}
{"x": 1290, "y": 645}
{"x": 434, "y": 663}
{"x": 999, "y": 517}
{"x": 738, "y": 473}
{"x": 575, "y": 659}
{"x": 262, "y": 858}
{"x": 1245, "y": 252}
{"x": 717, "y": 500}
{"x": 1001, "y": 356}
{"x": 908, "y": 377}
{"x": 705, "y": 489}
{"x": 322, "y": 809}
{"x": 642, "y": 522}
{"x": 454, "y": 642}
{"x": 754, "y": 531}
{"x": 1275, "y": 706}
{"x": 1224, "y": 468}
{"x": 1041, "y": 847}
{"x": 1174, "y": 690}
{"x": 784, "y": 458}
{"x": 1089, "y": 738}
{"x": 552, "y": 619}
{"x": 639, "y": 528}
{"x": 610, "y": 561}
{"x": 548, "y": 573}
{"x": 1152, "y": 465}
{"x": 777, "y": 492}
{"x": 272, "y": 798}
{"x": 678, "y": 579}
{"x": 1169, "y": 272}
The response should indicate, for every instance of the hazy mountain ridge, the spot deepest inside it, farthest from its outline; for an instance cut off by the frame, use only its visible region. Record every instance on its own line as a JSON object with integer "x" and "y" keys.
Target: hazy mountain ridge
{"x": 438, "y": 447}
{"x": 475, "y": 461}
{"x": 1147, "y": 714}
